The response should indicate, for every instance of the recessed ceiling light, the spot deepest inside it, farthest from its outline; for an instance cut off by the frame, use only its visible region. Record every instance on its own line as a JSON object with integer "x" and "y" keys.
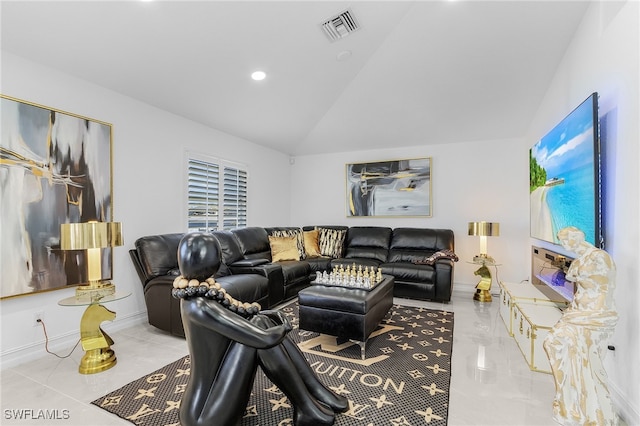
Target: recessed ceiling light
{"x": 344, "y": 55}
{"x": 258, "y": 75}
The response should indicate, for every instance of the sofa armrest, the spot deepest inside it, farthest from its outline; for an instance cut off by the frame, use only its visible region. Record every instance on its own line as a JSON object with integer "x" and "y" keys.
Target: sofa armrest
{"x": 163, "y": 310}
{"x": 248, "y": 262}
{"x": 444, "y": 279}
{"x": 135, "y": 258}
{"x": 271, "y": 271}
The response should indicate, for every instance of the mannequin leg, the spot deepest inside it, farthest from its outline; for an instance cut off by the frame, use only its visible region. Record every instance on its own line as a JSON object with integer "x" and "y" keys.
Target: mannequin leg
{"x": 280, "y": 369}
{"x": 219, "y": 397}
{"x": 337, "y": 403}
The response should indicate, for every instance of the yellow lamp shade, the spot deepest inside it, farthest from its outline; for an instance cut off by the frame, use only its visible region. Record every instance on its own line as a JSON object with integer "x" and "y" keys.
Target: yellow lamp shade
{"x": 89, "y": 235}
{"x": 92, "y": 237}
{"x": 484, "y": 229}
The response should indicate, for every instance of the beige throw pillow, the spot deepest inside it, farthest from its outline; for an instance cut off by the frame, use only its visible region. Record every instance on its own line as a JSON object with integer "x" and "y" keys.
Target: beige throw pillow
{"x": 297, "y": 233}
{"x": 311, "y": 243}
{"x": 283, "y": 248}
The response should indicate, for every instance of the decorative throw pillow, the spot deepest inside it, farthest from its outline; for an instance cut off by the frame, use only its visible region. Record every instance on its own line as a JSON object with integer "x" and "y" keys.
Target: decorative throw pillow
{"x": 331, "y": 241}
{"x": 283, "y": 248}
{"x": 297, "y": 233}
{"x": 311, "y": 243}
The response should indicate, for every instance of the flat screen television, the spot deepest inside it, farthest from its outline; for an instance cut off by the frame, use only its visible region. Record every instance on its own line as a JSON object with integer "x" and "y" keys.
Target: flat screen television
{"x": 565, "y": 177}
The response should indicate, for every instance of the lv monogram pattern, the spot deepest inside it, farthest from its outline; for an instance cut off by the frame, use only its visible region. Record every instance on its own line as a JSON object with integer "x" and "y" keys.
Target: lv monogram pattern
{"x": 404, "y": 380}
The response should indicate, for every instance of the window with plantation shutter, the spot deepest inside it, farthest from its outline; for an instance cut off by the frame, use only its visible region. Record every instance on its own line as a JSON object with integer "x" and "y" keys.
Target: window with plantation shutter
{"x": 234, "y": 198}
{"x": 217, "y": 195}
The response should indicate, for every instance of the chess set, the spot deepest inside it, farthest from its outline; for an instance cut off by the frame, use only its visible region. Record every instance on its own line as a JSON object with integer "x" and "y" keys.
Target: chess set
{"x": 365, "y": 278}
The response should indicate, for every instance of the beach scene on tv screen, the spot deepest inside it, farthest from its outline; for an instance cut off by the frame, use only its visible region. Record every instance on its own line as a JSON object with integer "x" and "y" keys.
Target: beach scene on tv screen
{"x": 561, "y": 178}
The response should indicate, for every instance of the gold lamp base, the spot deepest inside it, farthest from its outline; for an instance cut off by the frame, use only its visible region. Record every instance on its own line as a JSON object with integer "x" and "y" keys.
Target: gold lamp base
{"x": 97, "y": 344}
{"x": 482, "y": 296}
{"x": 97, "y": 360}
{"x": 483, "y": 288}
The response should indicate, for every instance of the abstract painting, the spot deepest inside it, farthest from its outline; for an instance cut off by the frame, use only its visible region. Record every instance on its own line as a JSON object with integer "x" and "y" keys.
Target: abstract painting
{"x": 389, "y": 188}
{"x": 55, "y": 167}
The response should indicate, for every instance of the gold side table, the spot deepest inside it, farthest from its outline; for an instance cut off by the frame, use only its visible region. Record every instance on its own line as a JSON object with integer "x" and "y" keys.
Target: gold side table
{"x": 96, "y": 343}
{"x": 483, "y": 288}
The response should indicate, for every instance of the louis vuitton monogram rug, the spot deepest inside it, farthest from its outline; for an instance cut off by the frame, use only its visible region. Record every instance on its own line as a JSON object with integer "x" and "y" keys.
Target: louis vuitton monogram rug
{"x": 404, "y": 380}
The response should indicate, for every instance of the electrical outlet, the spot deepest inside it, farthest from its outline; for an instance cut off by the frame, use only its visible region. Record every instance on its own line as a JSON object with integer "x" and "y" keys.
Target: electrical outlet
{"x": 37, "y": 317}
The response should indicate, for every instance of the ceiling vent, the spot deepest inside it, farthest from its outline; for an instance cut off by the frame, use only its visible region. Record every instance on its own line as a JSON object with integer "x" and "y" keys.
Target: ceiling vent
{"x": 340, "y": 26}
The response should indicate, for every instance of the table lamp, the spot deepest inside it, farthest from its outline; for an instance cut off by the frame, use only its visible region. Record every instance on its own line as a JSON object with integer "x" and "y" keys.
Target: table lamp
{"x": 92, "y": 236}
{"x": 483, "y": 230}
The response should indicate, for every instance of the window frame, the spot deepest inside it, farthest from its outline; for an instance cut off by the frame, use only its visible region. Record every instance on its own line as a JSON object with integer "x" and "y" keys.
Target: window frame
{"x": 225, "y": 203}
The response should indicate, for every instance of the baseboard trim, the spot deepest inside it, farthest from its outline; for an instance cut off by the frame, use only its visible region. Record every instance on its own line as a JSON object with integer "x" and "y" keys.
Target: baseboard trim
{"x": 62, "y": 342}
{"x": 628, "y": 414}
{"x": 464, "y": 289}
{"x": 470, "y": 289}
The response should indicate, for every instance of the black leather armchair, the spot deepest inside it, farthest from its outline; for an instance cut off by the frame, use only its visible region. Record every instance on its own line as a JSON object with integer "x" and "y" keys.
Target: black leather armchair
{"x": 155, "y": 258}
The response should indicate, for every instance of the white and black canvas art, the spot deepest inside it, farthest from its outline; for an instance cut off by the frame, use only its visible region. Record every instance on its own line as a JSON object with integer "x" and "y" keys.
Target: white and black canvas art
{"x": 55, "y": 167}
{"x": 389, "y": 188}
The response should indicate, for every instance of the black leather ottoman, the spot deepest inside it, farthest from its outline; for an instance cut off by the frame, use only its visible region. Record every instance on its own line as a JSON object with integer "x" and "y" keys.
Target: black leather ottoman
{"x": 347, "y": 313}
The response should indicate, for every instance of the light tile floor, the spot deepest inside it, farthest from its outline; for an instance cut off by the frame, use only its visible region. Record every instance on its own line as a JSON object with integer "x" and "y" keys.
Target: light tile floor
{"x": 490, "y": 383}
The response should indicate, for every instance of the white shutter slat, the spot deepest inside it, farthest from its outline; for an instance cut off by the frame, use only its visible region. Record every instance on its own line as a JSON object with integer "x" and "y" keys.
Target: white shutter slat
{"x": 217, "y": 196}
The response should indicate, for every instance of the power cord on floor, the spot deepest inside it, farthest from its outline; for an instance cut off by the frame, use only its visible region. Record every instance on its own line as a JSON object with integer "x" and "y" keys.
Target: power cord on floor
{"x": 46, "y": 342}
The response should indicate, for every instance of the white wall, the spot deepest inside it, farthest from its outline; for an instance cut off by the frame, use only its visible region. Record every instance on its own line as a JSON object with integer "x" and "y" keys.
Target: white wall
{"x": 470, "y": 182}
{"x": 604, "y": 57}
{"x": 149, "y": 146}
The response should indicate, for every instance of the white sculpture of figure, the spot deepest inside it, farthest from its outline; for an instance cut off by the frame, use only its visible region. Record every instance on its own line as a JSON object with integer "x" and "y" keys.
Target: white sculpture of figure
{"x": 576, "y": 344}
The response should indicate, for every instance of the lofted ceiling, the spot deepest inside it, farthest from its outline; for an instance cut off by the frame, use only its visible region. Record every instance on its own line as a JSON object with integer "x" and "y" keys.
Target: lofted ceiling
{"x": 415, "y": 73}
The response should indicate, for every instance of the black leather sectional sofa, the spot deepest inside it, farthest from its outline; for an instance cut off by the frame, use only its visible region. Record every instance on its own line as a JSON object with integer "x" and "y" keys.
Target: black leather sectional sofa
{"x": 249, "y": 274}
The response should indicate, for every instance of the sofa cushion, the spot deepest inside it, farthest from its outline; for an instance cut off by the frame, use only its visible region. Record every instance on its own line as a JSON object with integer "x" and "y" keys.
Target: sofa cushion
{"x": 229, "y": 246}
{"x": 409, "y": 272}
{"x": 416, "y": 244}
{"x": 283, "y": 248}
{"x": 229, "y": 249}
{"x": 294, "y": 271}
{"x": 319, "y": 264}
{"x": 158, "y": 254}
{"x": 331, "y": 241}
{"x": 254, "y": 242}
{"x": 368, "y": 242}
{"x": 246, "y": 287}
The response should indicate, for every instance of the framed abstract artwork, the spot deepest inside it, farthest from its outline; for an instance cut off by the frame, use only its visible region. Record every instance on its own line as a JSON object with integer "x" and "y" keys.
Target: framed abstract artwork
{"x": 389, "y": 188}
{"x": 55, "y": 168}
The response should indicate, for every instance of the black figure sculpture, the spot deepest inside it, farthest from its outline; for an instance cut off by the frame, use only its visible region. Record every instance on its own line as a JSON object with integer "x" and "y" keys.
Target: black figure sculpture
{"x": 227, "y": 341}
